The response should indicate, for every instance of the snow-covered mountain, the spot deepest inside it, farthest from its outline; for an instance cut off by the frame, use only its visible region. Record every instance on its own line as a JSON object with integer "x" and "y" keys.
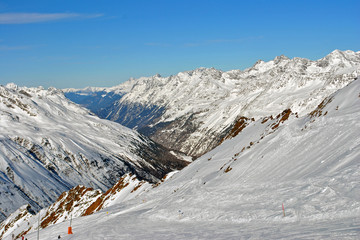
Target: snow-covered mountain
{"x": 281, "y": 177}
{"x": 48, "y": 145}
{"x": 194, "y": 111}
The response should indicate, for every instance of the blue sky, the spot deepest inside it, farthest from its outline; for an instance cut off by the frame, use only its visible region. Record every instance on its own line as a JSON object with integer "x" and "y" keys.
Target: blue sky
{"x": 72, "y": 43}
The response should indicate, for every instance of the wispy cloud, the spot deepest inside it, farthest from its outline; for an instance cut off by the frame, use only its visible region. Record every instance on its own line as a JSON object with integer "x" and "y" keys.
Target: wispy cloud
{"x": 24, "y": 18}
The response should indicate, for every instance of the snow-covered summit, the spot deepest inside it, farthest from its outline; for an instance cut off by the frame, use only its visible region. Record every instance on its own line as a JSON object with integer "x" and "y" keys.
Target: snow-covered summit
{"x": 12, "y": 86}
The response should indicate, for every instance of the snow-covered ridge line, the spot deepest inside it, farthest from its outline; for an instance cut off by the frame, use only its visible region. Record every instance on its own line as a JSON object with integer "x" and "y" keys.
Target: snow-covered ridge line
{"x": 281, "y": 74}
{"x": 334, "y": 57}
{"x": 193, "y": 110}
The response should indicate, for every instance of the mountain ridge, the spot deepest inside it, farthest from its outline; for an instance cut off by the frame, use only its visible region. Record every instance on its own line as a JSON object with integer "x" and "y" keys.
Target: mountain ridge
{"x": 196, "y": 109}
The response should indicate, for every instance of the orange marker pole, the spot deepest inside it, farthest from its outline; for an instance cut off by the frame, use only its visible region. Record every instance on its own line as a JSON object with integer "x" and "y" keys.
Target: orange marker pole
{"x": 283, "y": 209}
{"x": 70, "y": 228}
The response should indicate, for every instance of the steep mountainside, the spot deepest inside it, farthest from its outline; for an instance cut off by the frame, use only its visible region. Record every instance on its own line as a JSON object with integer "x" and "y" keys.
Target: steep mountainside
{"x": 194, "y": 111}
{"x": 49, "y": 144}
{"x": 282, "y": 177}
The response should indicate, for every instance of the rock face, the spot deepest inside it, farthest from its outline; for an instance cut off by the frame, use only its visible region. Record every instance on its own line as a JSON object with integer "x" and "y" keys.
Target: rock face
{"x": 49, "y": 145}
{"x": 193, "y": 111}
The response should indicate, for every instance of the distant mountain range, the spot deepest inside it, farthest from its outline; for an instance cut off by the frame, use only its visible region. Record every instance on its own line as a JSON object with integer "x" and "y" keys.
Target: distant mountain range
{"x": 194, "y": 111}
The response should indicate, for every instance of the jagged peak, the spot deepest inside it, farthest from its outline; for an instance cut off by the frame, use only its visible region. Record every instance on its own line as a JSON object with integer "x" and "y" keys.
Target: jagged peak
{"x": 12, "y": 86}
{"x": 336, "y": 53}
{"x": 256, "y": 65}
{"x": 53, "y": 91}
{"x": 157, "y": 75}
{"x": 341, "y": 54}
{"x": 205, "y": 70}
{"x": 202, "y": 71}
{"x": 280, "y": 58}
{"x": 259, "y": 62}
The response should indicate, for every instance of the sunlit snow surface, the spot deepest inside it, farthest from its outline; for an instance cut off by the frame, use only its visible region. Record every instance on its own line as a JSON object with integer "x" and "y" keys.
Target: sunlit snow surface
{"x": 309, "y": 164}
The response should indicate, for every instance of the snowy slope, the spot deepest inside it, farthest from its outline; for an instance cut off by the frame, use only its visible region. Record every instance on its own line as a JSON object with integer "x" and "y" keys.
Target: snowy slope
{"x": 309, "y": 164}
{"x": 49, "y": 145}
{"x": 78, "y": 201}
{"x": 192, "y": 111}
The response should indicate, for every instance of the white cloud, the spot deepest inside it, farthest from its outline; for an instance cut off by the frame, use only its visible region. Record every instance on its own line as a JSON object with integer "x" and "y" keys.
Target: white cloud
{"x": 24, "y": 18}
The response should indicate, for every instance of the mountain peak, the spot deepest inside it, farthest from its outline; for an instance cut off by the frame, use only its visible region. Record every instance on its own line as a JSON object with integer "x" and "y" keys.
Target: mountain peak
{"x": 280, "y": 58}
{"x": 340, "y": 59}
{"x": 12, "y": 86}
{"x": 157, "y": 75}
{"x": 338, "y": 54}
